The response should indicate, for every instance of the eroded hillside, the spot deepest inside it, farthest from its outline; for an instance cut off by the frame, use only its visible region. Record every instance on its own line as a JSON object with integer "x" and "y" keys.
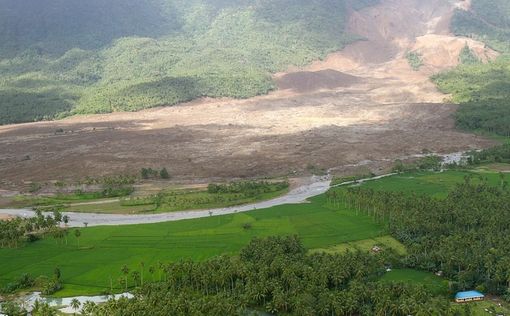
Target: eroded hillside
{"x": 364, "y": 105}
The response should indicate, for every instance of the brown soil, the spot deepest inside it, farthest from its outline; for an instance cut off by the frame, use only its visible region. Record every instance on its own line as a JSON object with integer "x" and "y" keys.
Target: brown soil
{"x": 309, "y": 81}
{"x": 364, "y": 104}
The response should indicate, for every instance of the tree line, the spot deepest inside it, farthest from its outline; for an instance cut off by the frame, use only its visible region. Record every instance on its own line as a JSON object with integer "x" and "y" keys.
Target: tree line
{"x": 466, "y": 235}
{"x": 278, "y": 276}
{"x": 15, "y": 231}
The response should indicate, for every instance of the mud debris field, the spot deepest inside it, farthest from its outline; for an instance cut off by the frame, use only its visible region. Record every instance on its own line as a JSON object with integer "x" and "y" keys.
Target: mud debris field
{"x": 362, "y": 104}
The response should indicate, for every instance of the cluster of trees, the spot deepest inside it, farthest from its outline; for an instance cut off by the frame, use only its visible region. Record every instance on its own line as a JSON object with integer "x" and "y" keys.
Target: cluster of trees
{"x": 47, "y": 285}
{"x": 431, "y": 162}
{"x": 494, "y": 154}
{"x": 248, "y": 188}
{"x": 217, "y": 195}
{"x": 39, "y": 309}
{"x": 18, "y": 230}
{"x": 415, "y": 60}
{"x": 102, "y": 57}
{"x": 149, "y": 173}
{"x": 277, "y": 275}
{"x": 465, "y": 235}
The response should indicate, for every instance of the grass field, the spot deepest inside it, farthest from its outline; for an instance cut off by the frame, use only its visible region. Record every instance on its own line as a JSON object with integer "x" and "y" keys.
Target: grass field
{"x": 384, "y": 242}
{"x": 103, "y": 250}
{"x": 430, "y": 281}
{"x": 436, "y": 184}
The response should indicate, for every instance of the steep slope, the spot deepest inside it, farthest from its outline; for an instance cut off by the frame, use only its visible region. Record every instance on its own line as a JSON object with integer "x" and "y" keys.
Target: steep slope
{"x": 67, "y": 57}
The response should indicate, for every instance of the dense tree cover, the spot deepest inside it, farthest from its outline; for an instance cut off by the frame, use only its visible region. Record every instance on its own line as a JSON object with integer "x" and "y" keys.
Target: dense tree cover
{"x": 482, "y": 89}
{"x": 464, "y": 235}
{"x": 431, "y": 162}
{"x": 488, "y": 21}
{"x": 68, "y": 57}
{"x": 18, "y": 230}
{"x": 491, "y": 155}
{"x": 277, "y": 275}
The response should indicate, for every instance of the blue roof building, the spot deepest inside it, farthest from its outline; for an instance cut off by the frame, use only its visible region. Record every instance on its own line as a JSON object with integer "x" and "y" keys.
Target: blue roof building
{"x": 469, "y": 296}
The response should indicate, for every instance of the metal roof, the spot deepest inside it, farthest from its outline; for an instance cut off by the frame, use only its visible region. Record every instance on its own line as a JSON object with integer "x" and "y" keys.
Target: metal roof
{"x": 469, "y": 294}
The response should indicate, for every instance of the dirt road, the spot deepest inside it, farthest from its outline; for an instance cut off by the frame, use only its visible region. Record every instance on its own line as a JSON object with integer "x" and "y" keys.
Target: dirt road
{"x": 362, "y": 104}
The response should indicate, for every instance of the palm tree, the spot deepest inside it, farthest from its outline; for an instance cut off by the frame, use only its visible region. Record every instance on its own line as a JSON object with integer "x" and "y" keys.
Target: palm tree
{"x": 65, "y": 219}
{"x": 142, "y": 266}
{"x": 125, "y": 271}
{"x": 151, "y": 271}
{"x": 136, "y": 277}
{"x": 75, "y": 304}
{"x": 77, "y": 234}
{"x": 88, "y": 308}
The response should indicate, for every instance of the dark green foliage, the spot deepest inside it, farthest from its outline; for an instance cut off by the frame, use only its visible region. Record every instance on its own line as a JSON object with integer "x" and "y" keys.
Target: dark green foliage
{"x": 163, "y": 174}
{"x": 431, "y": 162}
{"x": 415, "y": 60}
{"x": 24, "y": 282}
{"x": 51, "y": 286}
{"x": 488, "y": 20}
{"x": 464, "y": 235}
{"x": 149, "y": 173}
{"x": 494, "y": 154}
{"x": 70, "y": 57}
{"x": 482, "y": 89}
{"x": 15, "y": 231}
{"x": 277, "y": 276}
{"x": 56, "y": 26}
{"x": 467, "y": 56}
{"x": 492, "y": 116}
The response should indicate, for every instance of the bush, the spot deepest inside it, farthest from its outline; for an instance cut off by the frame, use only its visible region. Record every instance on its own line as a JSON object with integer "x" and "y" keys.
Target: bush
{"x": 24, "y": 282}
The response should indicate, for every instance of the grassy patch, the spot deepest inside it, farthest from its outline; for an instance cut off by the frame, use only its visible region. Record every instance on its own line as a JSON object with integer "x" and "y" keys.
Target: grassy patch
{"x": 430, "y": 183}
{"x": 385, "y": 242}
{"x": 89, "y": 268}
{"x": 430, "y": 281}
{"x": 483, "y": 308}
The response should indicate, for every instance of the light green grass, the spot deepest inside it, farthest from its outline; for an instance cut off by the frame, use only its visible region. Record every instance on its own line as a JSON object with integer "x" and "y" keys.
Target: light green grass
{"x": 436, "y": 184}
{"x": 103, "y": 250}
{"x": 430, "y": 281}
{"x": 385, "y": 242}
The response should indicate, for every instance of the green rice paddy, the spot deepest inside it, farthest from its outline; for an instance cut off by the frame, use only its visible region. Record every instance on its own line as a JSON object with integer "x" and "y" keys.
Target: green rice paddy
{"x": 92, "y": 264}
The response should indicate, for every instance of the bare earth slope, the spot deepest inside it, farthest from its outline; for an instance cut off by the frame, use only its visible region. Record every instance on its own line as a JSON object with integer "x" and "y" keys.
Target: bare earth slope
{"x": 364, "y": 103}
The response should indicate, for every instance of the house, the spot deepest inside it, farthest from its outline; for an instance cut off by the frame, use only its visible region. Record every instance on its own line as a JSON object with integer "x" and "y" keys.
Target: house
{"x": 469, "y": 296}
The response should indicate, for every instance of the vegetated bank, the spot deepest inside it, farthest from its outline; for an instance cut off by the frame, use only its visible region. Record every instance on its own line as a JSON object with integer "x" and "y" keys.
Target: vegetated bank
{"x": 95, "y": 195}
{"x": 128, "y": 55}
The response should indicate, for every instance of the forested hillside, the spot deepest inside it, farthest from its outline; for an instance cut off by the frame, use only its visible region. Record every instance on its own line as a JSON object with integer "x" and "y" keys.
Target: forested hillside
{"x": 482, "y": 89}
{"x": 65, "y": 57}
